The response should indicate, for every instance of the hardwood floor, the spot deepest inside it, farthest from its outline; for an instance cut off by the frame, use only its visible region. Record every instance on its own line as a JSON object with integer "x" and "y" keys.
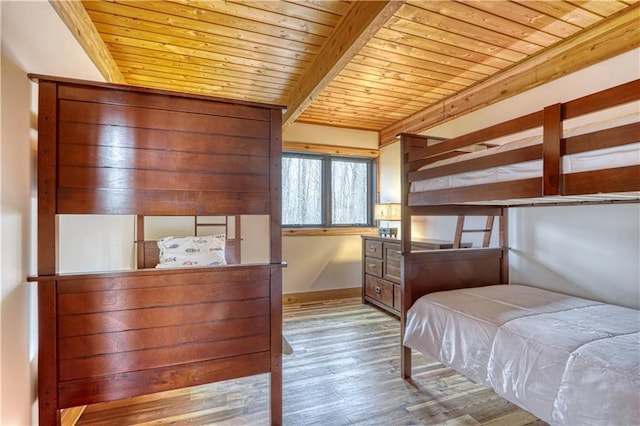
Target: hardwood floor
{"x": 344, "y": 371}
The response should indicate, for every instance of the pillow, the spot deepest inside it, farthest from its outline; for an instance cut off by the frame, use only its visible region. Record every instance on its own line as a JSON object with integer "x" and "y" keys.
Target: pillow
{"x": 176, "y": 252}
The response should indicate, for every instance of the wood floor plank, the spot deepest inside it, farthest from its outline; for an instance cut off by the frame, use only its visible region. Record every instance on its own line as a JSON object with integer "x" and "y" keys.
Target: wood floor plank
{"x": 344, "y": 371}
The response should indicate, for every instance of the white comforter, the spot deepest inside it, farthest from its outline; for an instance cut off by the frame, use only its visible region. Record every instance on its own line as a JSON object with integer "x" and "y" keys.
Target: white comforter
{"x": 567, "y": 360}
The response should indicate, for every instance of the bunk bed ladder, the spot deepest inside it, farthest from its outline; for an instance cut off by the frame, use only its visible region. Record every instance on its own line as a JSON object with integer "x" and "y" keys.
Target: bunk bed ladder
{"x": 460, "y": 230}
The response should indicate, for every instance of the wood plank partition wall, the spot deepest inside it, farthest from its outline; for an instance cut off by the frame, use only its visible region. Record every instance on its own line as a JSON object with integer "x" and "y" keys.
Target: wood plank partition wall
{"x": 108, "y": 149}
{"x": 199, "y": 157}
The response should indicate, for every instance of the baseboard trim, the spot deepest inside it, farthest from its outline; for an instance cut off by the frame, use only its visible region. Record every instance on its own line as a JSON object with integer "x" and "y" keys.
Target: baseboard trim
{"x": 70, "y": 416}
{"x": 319, "y": 296}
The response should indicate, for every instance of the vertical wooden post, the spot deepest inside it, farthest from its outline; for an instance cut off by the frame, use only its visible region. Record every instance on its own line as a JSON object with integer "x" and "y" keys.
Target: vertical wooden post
{"x": 276, "y": 186}
{"x": 276, "y": 345}
{"x": 457, "y": 238}
{"x": 139, "y": 241}
{"x": 503, "y": 241}
{"x": 551, "y": 155}
{"x": 405, "y": 224}
{"x": 47, "y": 263}
{"x": 276, "y": 268}
{"x": 405, "y": 236}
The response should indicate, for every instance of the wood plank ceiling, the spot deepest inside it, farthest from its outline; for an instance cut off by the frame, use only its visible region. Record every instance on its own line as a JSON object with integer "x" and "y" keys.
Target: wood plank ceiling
{"x": 383, "y": 66}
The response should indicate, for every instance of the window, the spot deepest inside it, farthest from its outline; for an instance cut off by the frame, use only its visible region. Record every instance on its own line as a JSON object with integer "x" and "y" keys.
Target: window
{"x": 320, "y": 190}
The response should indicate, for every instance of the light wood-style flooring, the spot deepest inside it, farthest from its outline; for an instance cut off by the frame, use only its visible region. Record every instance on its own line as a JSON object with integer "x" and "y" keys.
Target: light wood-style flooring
{"x": 344, "y": 371}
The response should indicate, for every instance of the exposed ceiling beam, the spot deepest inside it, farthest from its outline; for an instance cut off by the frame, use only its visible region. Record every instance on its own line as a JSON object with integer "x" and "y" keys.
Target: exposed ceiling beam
{"x": 356, "y": 28}
{"x": 76, "y": 18}
{"x": 613, "y": 36}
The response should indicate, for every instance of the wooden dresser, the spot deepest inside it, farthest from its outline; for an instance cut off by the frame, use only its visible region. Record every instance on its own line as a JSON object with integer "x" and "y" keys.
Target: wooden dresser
{"x": 381, "y": 269}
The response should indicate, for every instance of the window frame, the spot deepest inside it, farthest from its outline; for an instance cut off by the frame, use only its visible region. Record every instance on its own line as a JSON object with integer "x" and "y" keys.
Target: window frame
{"x": 327, "y": 154}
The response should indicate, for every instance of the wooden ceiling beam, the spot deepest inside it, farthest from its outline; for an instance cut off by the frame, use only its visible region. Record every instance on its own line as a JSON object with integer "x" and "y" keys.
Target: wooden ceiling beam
{"x": 76, "y": 18}
{"x": 612, "y": 36}
{"x": 356, "y": 28}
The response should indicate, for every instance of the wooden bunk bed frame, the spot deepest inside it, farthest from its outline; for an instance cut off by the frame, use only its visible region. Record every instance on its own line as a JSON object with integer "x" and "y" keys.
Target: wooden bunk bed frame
{"x": 112, "y": 149}
{"x": 427, "y": 272}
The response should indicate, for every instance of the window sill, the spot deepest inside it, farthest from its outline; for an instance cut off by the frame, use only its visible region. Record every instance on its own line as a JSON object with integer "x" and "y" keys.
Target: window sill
{"x": 327, "y": 231}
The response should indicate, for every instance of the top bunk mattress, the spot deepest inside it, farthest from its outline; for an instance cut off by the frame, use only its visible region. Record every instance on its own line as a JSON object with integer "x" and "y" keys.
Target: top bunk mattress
{"x": 619, "y": 156}
{"x": 567, "y": 360}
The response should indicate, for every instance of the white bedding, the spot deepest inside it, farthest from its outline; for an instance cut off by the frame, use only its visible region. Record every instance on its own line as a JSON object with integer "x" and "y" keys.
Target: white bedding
{"x": 620, "y": 156}
{"x": 567, "y": 360}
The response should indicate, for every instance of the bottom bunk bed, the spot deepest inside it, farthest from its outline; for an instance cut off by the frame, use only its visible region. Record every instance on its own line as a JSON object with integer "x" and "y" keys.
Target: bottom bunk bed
{"x": 565, "y": 359}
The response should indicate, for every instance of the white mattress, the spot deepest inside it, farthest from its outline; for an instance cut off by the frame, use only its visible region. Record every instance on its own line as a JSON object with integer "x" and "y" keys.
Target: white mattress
{"x": 620, "y": 156}
{"x": 567, "y": 360}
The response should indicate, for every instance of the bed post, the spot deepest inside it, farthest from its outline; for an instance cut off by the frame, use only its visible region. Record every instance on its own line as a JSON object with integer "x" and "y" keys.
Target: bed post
{"x": 551, "y": 155}
{"x": 405, "y": 236}
{"x": 276, "y": 265}
{"x": 47, "y": 201}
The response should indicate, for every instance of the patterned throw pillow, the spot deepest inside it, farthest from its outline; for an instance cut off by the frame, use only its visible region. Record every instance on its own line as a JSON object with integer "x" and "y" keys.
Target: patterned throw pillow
{"x": 176, "y": 252}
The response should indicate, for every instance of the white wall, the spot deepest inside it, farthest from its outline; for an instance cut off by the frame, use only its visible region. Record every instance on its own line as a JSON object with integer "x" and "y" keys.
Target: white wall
{"x": 325, "y": 135}
{"x": 318, "y": 263}
{"x": 591, "y": 251}
{"x": 255, "y": 239}
{"x": 89, "y": 243}
{"x": 390, "y": 178}
{"x": 17, "y": 355}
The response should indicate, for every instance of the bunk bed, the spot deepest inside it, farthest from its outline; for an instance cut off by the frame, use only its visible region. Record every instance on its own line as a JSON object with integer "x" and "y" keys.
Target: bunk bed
{"x": 120, "y": 150}
{"x": 538, "y": 349}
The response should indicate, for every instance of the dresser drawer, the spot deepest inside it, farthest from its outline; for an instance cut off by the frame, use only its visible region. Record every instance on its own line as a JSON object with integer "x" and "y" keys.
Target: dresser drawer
{"x": 392, "y": 261}
{"x": 397, "y": 297}
{"x": 373, "y": 266}
{"x": 373, "y": 249}
{"x": 382, "y": 267}
{"x": 379, "y": 290}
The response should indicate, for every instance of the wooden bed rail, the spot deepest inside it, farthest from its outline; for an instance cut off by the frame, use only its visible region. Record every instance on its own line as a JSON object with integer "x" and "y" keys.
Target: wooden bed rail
{"x": 598, "y": 101}
{"x": 506, "y": 128}
{"x": 418, "y": 150}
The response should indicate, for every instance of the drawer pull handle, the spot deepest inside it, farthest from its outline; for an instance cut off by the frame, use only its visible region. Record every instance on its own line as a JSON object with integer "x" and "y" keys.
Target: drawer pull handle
{"x": 373, "y": 248}
{"x": 377, "y": 290}
{"x": 372, "y": 265}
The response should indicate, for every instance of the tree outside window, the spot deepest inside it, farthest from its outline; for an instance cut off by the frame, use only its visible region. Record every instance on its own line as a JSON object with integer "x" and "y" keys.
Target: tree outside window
{"x": 326, "y": 191}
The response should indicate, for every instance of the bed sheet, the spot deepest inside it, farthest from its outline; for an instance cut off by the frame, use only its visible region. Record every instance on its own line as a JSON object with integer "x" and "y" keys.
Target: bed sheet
{"x": 601, "y": 368}
{"x": 538, "y": 349}
{"x": 620, "y": 156}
